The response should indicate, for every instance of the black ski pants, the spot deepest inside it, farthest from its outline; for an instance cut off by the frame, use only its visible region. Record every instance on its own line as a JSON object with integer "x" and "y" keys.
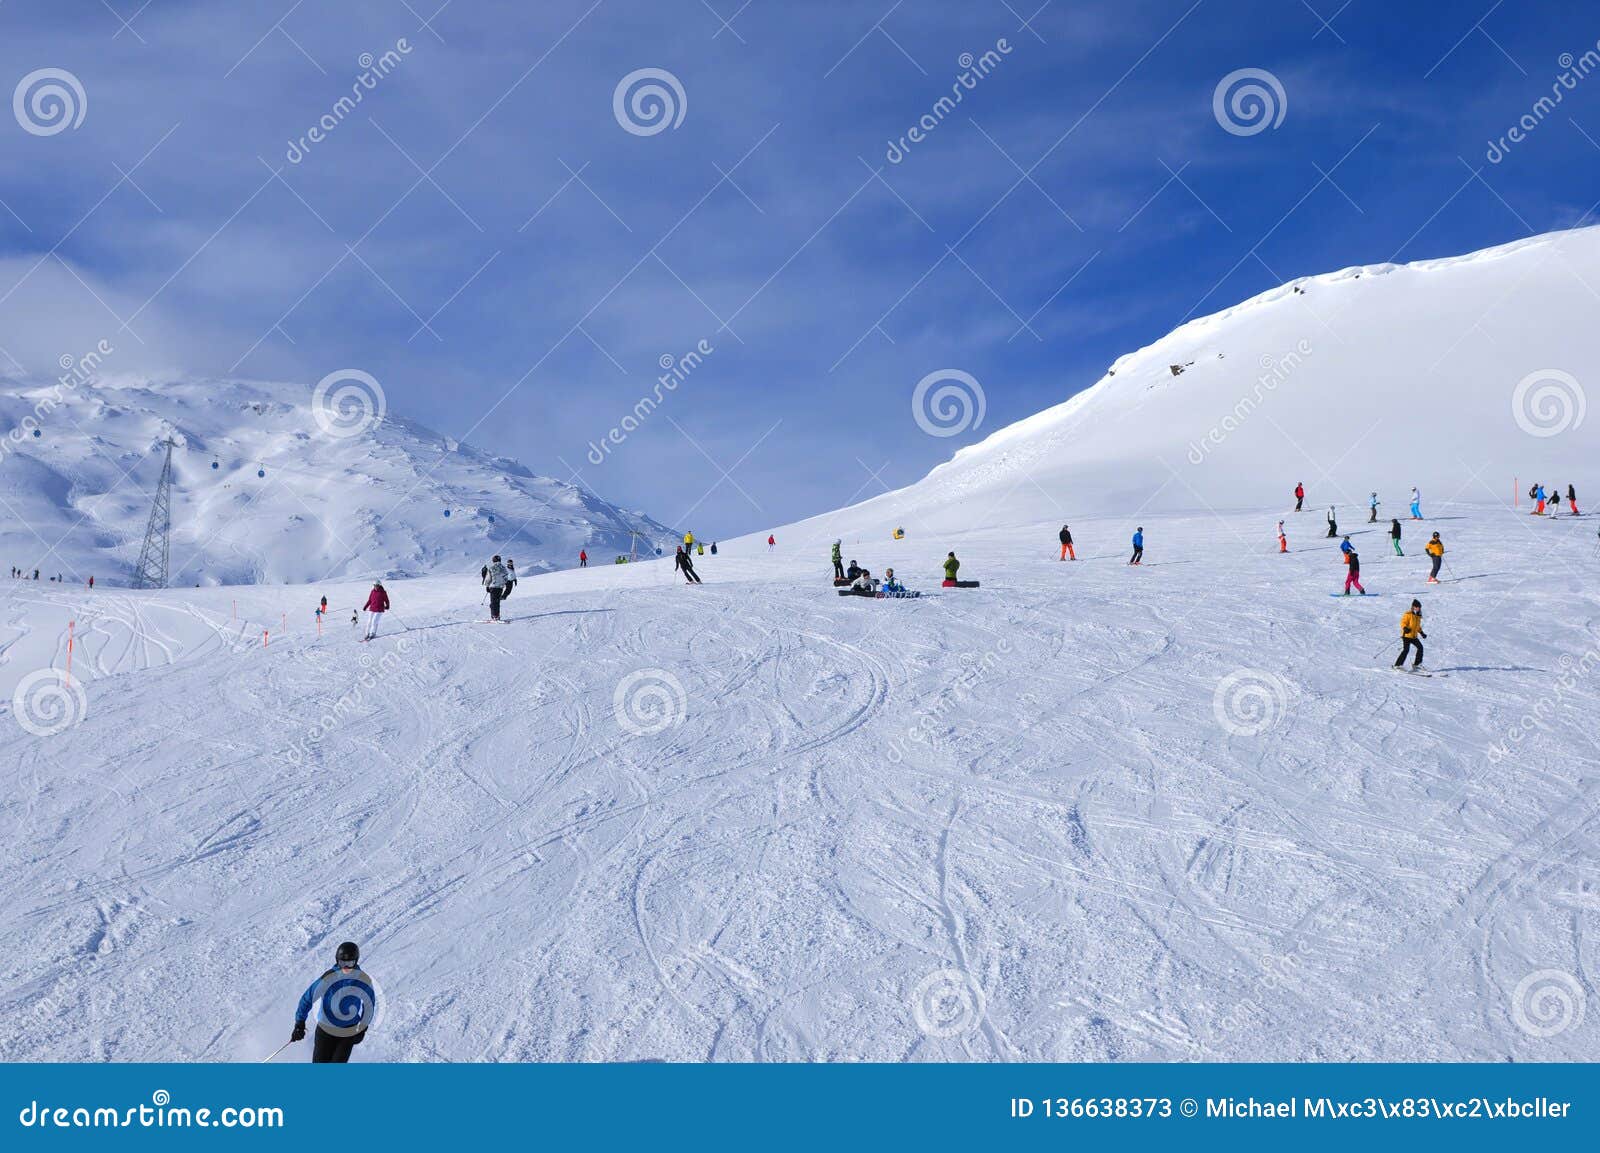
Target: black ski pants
{"x": 495, "y": 593}
{"x": 331, "y": 1050}
{"x": 1405, "y": 647}
{"x": 838, "y": 570}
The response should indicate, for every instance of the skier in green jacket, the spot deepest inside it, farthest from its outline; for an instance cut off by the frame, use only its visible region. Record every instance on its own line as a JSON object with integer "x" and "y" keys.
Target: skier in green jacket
{"x": 838, "y": 560}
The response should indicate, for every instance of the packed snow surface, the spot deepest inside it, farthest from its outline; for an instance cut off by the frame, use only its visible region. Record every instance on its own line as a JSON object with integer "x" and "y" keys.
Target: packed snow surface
{"x": 1088, "y": 811}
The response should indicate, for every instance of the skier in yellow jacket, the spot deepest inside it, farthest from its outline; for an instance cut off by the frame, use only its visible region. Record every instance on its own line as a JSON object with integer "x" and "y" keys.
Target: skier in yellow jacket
{"x": 1411, "y": 634}
{"x": 1435, "y": 549}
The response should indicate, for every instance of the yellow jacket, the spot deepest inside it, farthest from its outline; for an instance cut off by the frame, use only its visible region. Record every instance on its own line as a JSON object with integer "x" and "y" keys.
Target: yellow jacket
{"x": 1434, "y": 548}
{"x": 1411, "y": 625}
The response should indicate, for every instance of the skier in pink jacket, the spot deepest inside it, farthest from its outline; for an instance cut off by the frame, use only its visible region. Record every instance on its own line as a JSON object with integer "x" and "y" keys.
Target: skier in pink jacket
{"x": 377, "y": 605}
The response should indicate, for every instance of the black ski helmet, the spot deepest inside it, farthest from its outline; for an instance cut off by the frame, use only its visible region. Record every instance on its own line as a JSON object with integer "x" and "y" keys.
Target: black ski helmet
{"x": 348, "y": 953}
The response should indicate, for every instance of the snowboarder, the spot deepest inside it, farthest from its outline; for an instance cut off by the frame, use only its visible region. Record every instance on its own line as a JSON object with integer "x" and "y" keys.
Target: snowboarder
{"x": 1066, "y": 544}
{"x": 1572, "y": 500}
{"x": 1411, "y": 634}
{"x": 713, "y": 548}
{"x": 772, "y": 543}
{"x": 852, "y": 572}
{"x": 91, "y": 582}
{"x": 1394, "y": 534}
{"x": 1333, "y": 523}
{"x": 494, "y": 579}
{"x": 1299, "y": 496}
{"x": 583, "y": 558}
{"x": 377, "y": 605}
{"x": 1416, "y": 503}
{"x": 838, "y": 560}
{"x": 337, "y": 990}
{"x": 1283, "y": 540}
{"x": 1138, "y": 546}
{"x": 1352, "y": 578}
{"x": 1373, "y": 519}
{"x": 864, "y": 585}
{"x": 952, "y": 566}
{"x": 891, "y": 585}
{"x": 1435, "y": 549}
{"x": 685, "y": 563}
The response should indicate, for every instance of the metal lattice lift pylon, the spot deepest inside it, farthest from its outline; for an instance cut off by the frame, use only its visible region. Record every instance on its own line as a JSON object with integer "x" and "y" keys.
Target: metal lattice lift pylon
{"x": 151, "y": 571}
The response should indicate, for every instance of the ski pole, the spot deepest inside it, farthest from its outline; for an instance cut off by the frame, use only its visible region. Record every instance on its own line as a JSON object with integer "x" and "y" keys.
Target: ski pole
{"x": 276, "y": 1051}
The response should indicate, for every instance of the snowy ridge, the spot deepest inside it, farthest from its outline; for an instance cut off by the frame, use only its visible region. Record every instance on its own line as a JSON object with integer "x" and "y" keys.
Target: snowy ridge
{"x": 265, "y": 493}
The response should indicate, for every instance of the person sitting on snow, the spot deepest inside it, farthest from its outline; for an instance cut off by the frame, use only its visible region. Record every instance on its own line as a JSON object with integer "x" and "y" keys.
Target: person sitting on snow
{"x": 852, "y": 572}
{"x": 864, "y": 585}
{"x": 890, "y": 584}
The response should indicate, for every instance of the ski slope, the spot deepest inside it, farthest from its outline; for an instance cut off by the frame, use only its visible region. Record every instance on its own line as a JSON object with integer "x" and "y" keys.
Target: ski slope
{"x": 1085, "y": 812}
{"x": 1076, "y": 859}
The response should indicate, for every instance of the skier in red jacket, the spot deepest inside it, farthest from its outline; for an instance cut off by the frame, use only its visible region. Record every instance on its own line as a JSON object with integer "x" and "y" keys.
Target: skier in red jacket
{"x": 583, "y": 558}
{"x": 377, "y": 605}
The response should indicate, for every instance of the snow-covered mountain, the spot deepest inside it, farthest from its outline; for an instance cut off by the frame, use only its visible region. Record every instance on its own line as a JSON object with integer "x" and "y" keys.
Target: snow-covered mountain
{"x": 273, "y": 483}
{"x": 1465, "y": 377}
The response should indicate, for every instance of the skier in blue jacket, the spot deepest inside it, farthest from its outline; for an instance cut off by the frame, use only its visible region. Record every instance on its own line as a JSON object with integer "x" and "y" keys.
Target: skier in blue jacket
{"x": 1138, "y": 546}
{"x": 348, "y": 1005}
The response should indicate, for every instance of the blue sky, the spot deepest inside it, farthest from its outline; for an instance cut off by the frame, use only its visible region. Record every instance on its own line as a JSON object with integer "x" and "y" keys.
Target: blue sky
{"x": 484, "y": 236}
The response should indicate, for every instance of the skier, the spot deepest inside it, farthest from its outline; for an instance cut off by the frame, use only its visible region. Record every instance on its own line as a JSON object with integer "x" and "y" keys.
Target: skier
{"x": 337, "y": 990}
{"x": 1435, "y": 549}
{"x": 1538, "y": 495}
{"x": 713, "y": 548}
{"x": 1572, "y": 500}
{"x": 700, "y": 549}
{"x": 1416, "y": 503}
{"x": 1411, "y": 634}
{"x": 494, "y": 579}
{"x": 1138, "y": 546}
{"x": 1373, "y": 519}
{"x": 511, "y": 578}
{"x": 838, "y": 560}
{"x": 1353, "y": 575}
{"x": 1066, "y": 544}
{"x": 1394, "y": 534}
{"x": 951, "y": 567}
{"x": 583, "y": 558}
{"x": 1333, "y": 523}
{"x": 1555, "y": 501}
{"x": 91, "y": 582}
{"x": 772, "y": 543}
{"x": 377, "y": 605}
{"x": 1345, "y": 546}
{"x": 685, "y": 563}
{"x": 688, "y": 542}
{"x": 1299, "y": 496}
{"x": 1283, "y": 541}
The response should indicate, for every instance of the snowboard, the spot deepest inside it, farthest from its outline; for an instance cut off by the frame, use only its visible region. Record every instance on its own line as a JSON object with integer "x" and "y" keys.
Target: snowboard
{"x": 960, "y": 584}
{"x": 1341, "y": 596}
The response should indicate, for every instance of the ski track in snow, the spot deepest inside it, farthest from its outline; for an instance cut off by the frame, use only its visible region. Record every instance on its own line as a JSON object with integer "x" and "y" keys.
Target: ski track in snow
{"x": 1073, "y": 834}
